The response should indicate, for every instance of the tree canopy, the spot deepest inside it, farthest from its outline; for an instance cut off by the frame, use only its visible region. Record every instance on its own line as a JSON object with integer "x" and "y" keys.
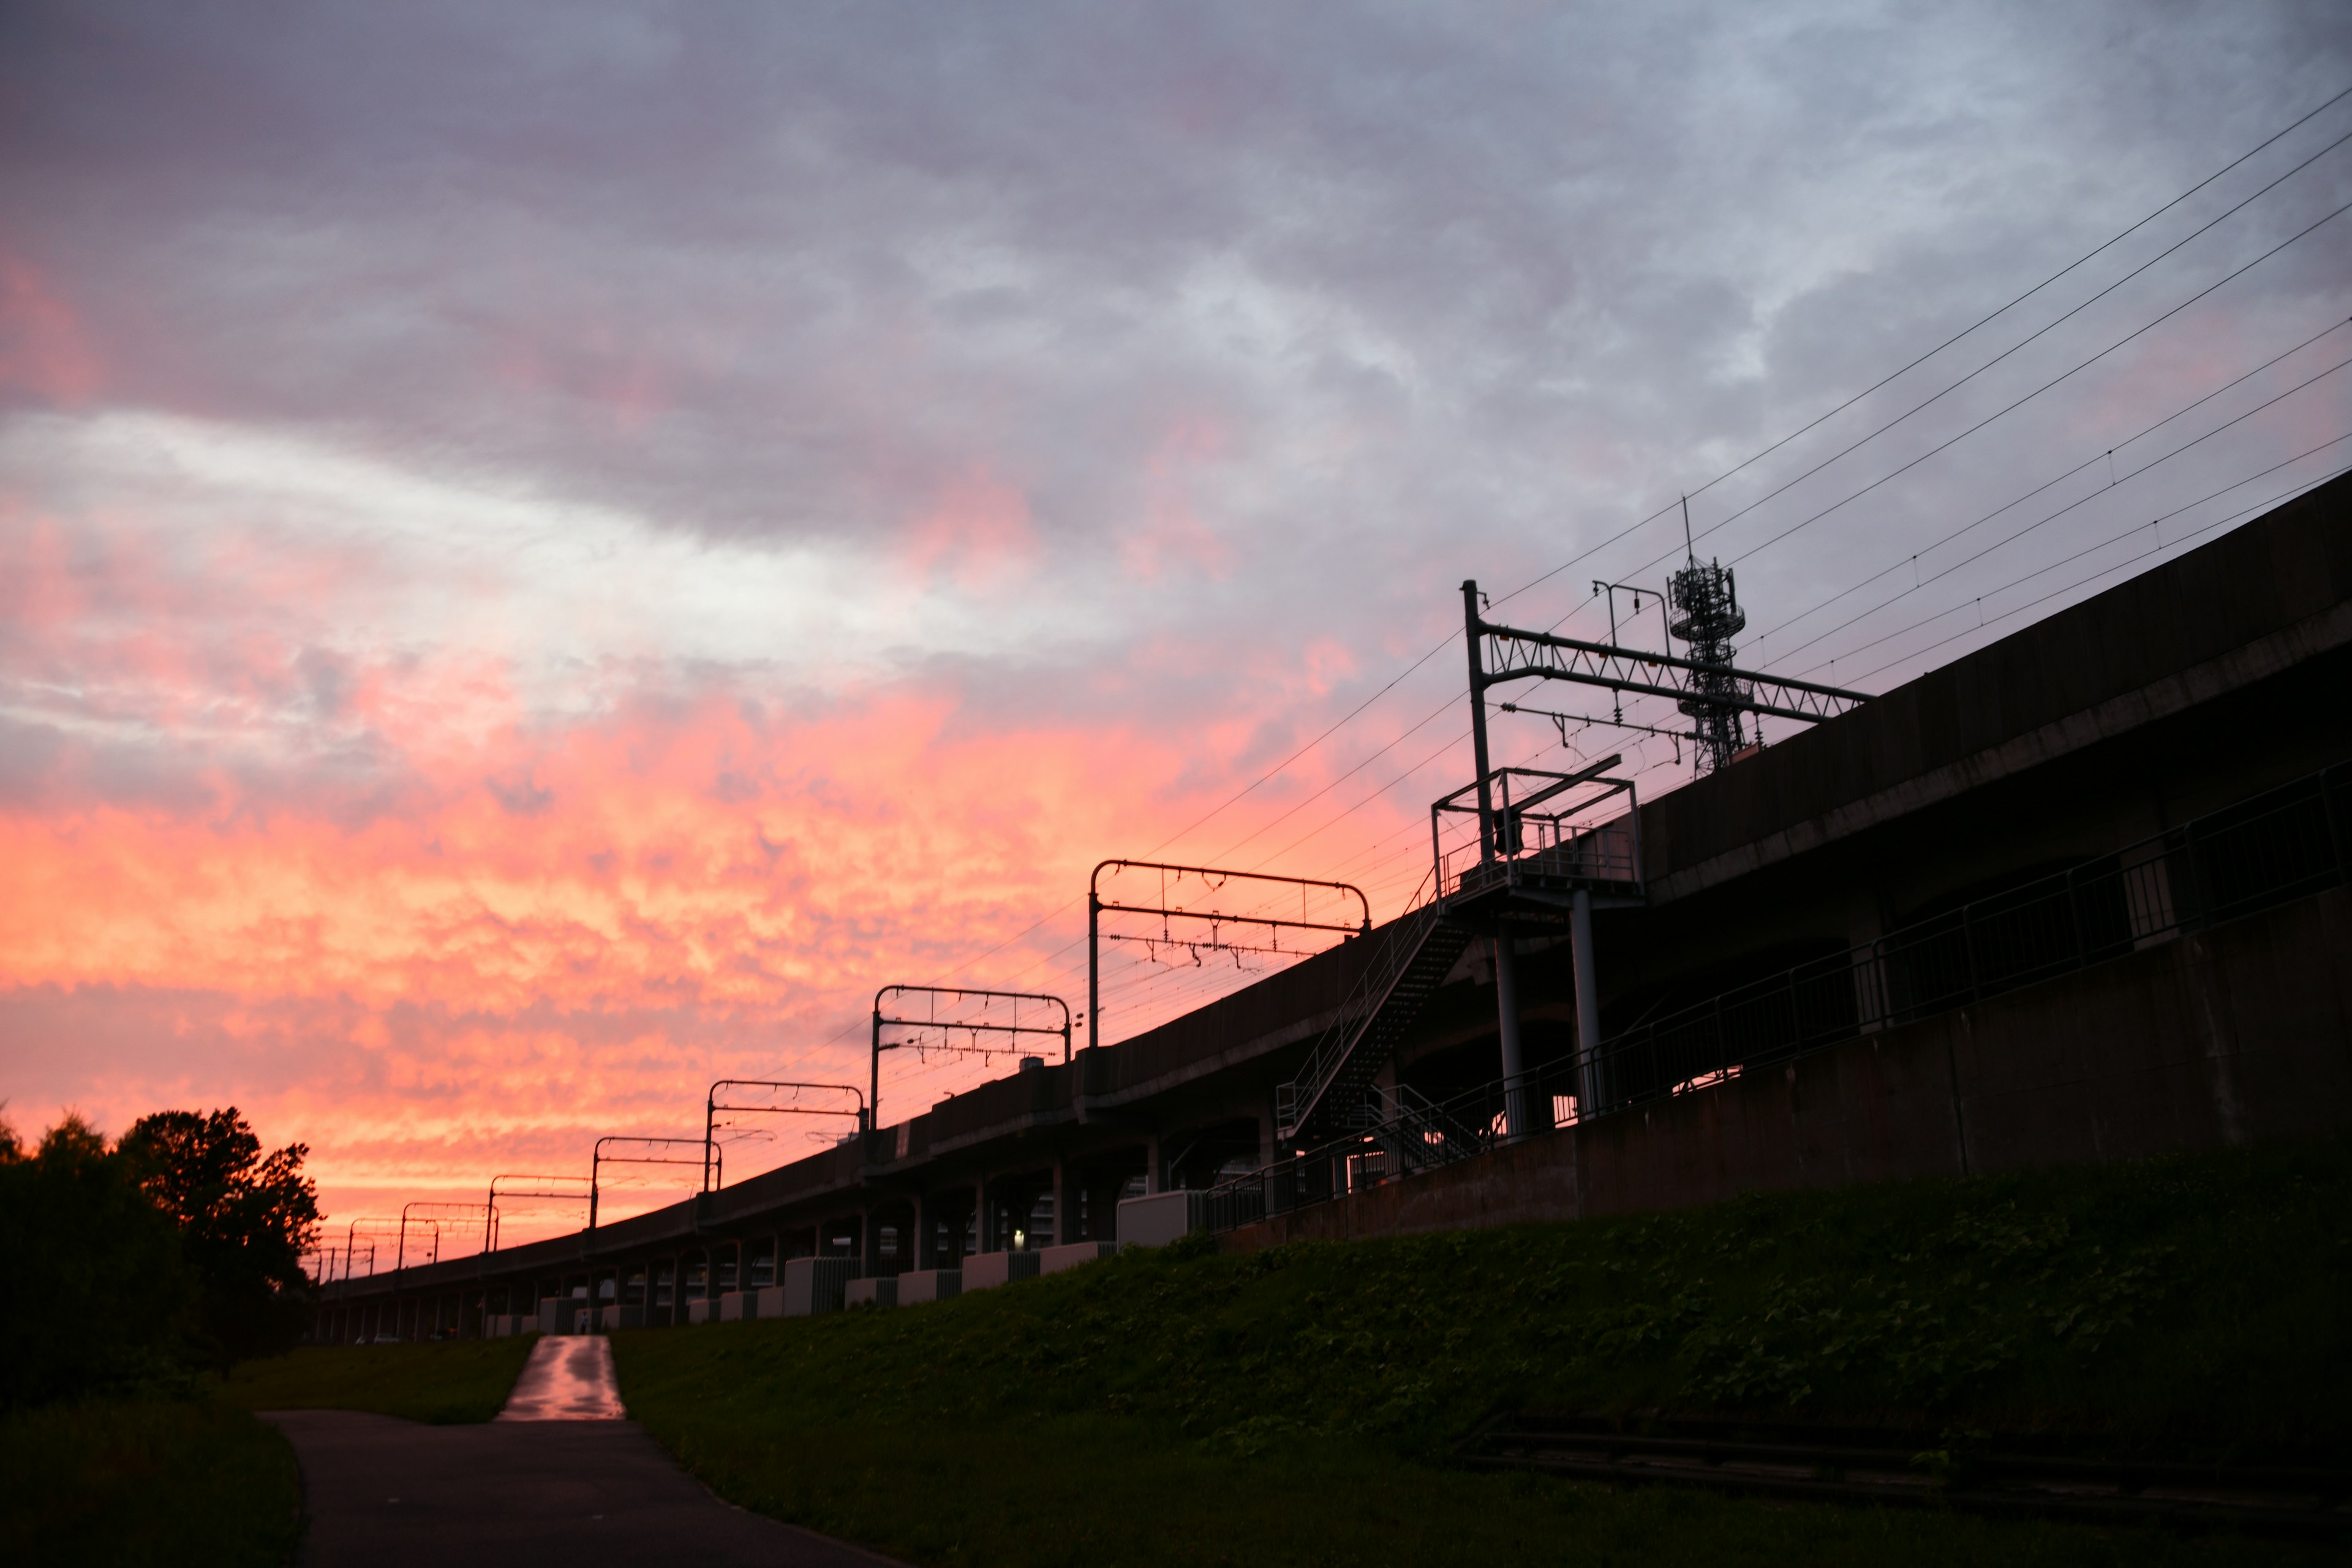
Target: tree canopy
{"x": 244, "y": 1218}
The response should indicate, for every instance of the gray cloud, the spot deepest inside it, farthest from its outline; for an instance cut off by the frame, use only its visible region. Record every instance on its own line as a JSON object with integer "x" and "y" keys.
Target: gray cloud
{"x": 1378, "y": 296}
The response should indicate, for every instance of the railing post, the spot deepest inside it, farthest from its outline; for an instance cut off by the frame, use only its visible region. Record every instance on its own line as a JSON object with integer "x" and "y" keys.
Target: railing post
{"x": 1506, "y": 1007}
{"x": 1588, "y": 1003}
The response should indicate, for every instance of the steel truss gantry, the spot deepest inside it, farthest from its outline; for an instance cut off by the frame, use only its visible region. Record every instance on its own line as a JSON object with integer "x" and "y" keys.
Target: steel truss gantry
{"x": 1513, "y": 654}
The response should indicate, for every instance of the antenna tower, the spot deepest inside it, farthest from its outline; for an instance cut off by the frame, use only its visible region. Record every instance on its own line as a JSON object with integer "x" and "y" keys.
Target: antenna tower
{"x": 1706, "y": 615}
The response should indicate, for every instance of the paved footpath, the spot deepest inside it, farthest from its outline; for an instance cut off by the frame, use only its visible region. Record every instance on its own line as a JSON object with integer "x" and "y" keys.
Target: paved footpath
{"x": 561, "y": 1476}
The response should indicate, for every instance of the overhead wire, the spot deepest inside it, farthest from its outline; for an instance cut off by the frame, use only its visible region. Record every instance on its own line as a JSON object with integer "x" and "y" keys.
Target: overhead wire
{"x": 1820, "y": 604}
{"x": 2101, "y": 494}
{"x": 1363, "y": 706}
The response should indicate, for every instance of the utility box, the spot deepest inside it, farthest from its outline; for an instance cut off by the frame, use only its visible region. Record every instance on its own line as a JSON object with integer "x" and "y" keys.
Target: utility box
{"x": 737, "y": 1305}
{"x": 1054, "y": 1260}
{"x": 816, "y": 1284}
{"x": 928, "y": 1285}
{"x": 881, "y": 1292}
{"x": 698, "y": 1311}
{"x": 986, "y": 1270}
{"x": 771, "y": 1300}
{"x": 1158, "y": 1218}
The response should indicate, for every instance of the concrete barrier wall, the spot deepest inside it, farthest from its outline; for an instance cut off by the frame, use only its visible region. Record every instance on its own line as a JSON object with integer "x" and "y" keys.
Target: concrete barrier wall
{"x": 1158, "y": 1218}
{"x": 986, "y": 1270}
{"x": 1070, "y": 1255}
{"x": 882, "y": 1291}
{"x": 2238, "y": 1033}
{"x": 928, "y": 1285}
{"x": 816, "y": 1284}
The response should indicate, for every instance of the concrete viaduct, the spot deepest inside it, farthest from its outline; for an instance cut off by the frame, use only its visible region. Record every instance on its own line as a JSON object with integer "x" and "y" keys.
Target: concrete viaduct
{"x": 2169, "y": 700}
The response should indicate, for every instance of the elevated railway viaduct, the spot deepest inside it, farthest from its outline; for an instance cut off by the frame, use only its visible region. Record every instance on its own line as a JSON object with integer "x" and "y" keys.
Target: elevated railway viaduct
{"x": 2170, "y": 756}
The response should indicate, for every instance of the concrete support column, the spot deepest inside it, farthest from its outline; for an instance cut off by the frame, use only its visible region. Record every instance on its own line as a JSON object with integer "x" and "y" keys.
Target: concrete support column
{"x": 1507, "y": 1011}
{"x": 1151, "y": 1182}
{"x": 1063, "y": 1206}
{"x": 980, "y": 1227}
{"x": 1588, "y": 1007}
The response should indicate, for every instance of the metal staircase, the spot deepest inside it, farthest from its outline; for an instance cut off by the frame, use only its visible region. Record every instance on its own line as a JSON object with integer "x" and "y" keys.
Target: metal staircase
{"x": 1412, "y": 959}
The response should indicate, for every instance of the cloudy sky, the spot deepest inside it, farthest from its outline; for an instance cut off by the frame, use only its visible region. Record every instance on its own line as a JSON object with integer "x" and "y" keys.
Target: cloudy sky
{"x": 546, "y": 552}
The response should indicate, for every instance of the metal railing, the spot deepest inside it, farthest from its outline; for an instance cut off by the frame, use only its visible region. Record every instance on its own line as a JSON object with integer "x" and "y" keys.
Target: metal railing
{"x": 2273, "y": 847}
{"x": 1392, "y": 951}
{"x": 1609, "y": 853}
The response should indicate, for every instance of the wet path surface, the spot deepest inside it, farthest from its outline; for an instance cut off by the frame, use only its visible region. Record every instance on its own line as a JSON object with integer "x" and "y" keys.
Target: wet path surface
{"x": 568, "y": 1378}
{"x": 577, "y": 1486}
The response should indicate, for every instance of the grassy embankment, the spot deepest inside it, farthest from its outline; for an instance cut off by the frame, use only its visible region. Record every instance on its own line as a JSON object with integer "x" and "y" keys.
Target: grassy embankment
{"x": 445, "y": 1383}
{"x": 196, "y": 1479}
{"x": 177, "y": 1483}
{"x": 1297, "y": 1405}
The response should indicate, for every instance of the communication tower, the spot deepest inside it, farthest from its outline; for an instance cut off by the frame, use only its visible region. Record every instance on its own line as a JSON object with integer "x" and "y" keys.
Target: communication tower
{"x": 1705, "y": 602}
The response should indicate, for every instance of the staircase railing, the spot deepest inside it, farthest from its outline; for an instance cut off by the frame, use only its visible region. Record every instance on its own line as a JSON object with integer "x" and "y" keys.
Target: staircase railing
{"x": 1393, "y": 951}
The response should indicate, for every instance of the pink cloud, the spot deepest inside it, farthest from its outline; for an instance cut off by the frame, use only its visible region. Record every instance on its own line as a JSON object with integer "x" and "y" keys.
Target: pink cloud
{"x": 979, "y": 530}
{"x": 43, "y": 347}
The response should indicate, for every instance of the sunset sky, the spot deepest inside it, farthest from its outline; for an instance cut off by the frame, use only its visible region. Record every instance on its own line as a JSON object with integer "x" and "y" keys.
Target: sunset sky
{"x": 548, "y": 550}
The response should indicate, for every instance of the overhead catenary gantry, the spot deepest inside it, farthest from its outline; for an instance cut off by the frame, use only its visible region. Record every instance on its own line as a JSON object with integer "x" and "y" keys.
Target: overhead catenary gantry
{"x": 712, "y": 1107}
{"x": 441, "y": 1216}
{"x": 541, "y": 1187}
{"x": 598, "y": 1160}
{"x": 1213, "y": 880}
{"x": 1582, "y": 862}
{"x": 972, "y": 1028}
{"x": 1500, "y": 654}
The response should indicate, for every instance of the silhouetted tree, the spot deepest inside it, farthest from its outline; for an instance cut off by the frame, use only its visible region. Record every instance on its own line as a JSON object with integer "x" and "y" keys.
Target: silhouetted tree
{"x": 98, "y": 1295}
{"x": 245, "y": 1221}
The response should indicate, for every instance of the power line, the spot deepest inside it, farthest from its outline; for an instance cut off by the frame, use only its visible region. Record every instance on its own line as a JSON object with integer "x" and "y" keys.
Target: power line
{"x": 2187, "y": 408}
{"x": 1719, "y": 525}
{"x": 1360, "y": 707}
{"x": 2157, "y": 549}
{"x": 2069, "y": 506}
{"x": 2038, "y": 571}
{"x": 1767, "y": 451}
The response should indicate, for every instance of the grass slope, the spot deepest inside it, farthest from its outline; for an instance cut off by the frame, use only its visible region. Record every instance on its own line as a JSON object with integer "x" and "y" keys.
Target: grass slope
{"x": 441, "y": 1382}
{"x": 1296, "y": 1406}
{"x": 190, "y": 1483}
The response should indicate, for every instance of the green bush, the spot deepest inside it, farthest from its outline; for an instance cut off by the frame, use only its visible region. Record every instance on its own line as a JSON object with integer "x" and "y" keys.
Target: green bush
{"x": 102, "y": 1298}
{"x": 177, "y": 1483}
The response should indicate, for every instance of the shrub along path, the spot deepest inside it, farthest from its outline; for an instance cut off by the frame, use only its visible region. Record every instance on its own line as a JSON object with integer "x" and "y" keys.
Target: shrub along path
{"x": 1299, "y": 1405}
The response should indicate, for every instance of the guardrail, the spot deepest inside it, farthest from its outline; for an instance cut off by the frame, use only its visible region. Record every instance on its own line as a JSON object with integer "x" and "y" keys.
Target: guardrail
{"x": 1609, "y": 853}
{"x": 2265, "y": 850}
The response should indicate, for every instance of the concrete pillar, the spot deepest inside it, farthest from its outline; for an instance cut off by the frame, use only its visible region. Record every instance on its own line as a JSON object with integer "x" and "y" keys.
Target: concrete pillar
{"x": 1506, "y": 1010}
{"x": 1588, "y": 1007}
{"x": 1151, "y": 1182}
{"x": 1062, "y": 1205}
